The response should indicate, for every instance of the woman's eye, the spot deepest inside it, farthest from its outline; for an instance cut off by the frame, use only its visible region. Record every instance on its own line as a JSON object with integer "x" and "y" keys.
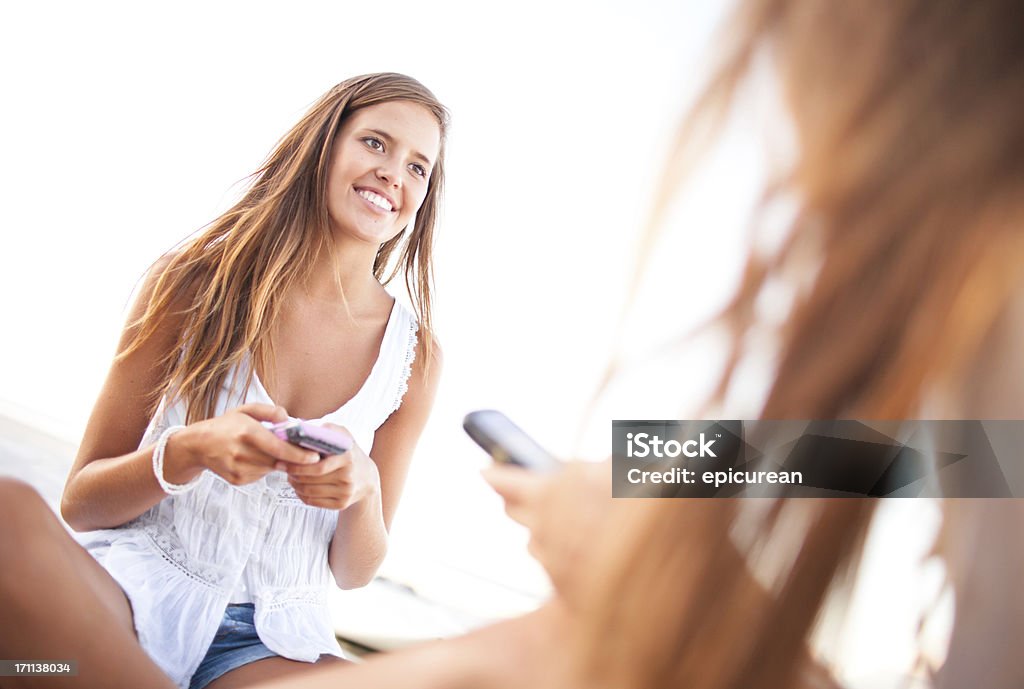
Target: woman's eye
{"x": 374, "y": 143}
{"x": 418, "y": 170}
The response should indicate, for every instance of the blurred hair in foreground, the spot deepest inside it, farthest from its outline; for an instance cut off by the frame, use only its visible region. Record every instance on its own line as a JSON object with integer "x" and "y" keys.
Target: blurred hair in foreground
{"x": 908, "y": 185}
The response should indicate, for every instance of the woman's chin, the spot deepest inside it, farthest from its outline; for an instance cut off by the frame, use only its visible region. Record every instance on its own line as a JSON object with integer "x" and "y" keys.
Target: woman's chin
{"x": 366, "y": 234}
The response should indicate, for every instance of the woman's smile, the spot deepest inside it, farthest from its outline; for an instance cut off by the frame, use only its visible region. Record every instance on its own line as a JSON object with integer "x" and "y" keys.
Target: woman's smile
{"x": 376, "y": 200}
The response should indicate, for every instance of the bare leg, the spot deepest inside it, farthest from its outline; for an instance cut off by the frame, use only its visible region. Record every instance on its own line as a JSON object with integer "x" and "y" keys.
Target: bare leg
{"x": 528, "y": 651}
{"x": 270, "y": 669}
{"x": 58, "y": 603}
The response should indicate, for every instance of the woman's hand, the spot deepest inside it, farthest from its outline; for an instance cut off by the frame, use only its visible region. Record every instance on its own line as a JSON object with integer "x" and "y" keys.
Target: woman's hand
{"x": 234, "y": 445}
{"x": 566, "y": 513}
{"x": 337, "y": 481}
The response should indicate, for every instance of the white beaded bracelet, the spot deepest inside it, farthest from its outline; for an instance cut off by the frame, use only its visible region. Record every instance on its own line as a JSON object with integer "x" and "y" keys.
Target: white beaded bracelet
{"x": 158, "y": 465}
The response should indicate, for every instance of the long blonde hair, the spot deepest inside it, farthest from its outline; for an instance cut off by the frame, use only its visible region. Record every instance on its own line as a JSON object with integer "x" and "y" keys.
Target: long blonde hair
{"x": 235, "y": 273}
{"x": 908, "y": 179}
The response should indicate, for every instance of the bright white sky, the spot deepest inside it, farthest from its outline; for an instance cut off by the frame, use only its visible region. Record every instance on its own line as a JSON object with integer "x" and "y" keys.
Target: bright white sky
{"x": 126, "y": 125}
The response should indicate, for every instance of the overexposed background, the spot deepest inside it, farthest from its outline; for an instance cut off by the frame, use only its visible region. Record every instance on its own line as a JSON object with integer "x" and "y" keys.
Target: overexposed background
{"x": 126, "y": 126}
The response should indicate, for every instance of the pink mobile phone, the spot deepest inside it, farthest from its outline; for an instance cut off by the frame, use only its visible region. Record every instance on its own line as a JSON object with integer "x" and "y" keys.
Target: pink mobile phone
{"x": 312, "y": 437}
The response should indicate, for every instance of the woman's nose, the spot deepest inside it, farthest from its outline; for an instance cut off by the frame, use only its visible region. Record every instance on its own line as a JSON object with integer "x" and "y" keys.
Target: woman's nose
{"x": 388, "y": 174}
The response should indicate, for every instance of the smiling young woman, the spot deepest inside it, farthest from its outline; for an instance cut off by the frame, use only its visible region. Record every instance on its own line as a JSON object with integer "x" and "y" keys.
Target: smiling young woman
{"x": 213, "y": 542}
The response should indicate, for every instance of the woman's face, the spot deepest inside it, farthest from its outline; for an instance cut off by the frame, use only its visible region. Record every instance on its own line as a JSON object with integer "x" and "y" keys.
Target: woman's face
{"x": 380, "y": 166}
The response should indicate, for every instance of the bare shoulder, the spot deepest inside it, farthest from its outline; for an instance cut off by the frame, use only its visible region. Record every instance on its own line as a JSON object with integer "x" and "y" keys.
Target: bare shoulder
{"x": 426, "y": 371}
{"x": 395, "y": 441}
{"x": 133, "y": 381}
{"x": 157, "y": 272}
{"x": 418, "y": 399}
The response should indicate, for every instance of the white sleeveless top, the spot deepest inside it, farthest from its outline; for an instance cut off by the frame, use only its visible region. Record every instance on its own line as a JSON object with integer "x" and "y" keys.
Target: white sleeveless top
{"x": 181, "y": 561}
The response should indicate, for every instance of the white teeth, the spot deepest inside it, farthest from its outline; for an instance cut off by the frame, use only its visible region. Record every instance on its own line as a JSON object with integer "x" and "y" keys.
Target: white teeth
{"x": 375, "y": 199}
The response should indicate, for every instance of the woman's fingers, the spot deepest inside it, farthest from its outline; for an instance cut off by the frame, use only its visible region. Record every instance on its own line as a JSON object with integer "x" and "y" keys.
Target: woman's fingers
{"x": 321, "y": 490}
{"x": 512, "y": 483}
{"x": 264, "y": 412}
{"x": 319, "y": 471}
{"x": 519, "y": 488}
{"x": 335, "y": 490}
{"x": 241, "y": 449}
{"x": 273, "y": 447}
{"x": 565, "y": 512}
{"x": 277, "y": 450}
{"x": 325, "y": 465}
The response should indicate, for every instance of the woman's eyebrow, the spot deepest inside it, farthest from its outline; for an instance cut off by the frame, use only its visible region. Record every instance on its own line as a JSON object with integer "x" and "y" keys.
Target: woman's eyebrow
{"x": 389, "y": 139}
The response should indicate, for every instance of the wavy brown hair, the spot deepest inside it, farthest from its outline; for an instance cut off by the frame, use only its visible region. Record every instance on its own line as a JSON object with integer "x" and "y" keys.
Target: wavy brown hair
{"x": 908, "y": 184}
{"x": 228, "y": 282}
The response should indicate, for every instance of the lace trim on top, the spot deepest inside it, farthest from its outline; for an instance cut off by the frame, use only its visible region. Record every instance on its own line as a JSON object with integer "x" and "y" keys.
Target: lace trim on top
{"x": 278, "y": 486}
{"x": 410, "y": 356}
{"x": 173, "y": 552}
{"x": 281, "y": 601}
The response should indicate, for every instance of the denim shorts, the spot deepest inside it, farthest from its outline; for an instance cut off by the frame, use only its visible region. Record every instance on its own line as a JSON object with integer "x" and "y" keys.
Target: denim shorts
{"x": 236, "y": 644}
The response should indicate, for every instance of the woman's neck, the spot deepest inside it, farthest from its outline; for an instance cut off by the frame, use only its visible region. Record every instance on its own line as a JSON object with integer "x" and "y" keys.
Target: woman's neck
{"x": 346, "y": 275}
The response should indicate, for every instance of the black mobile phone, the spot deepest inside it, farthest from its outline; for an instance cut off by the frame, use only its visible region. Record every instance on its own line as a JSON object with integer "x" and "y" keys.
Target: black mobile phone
{"x": 505, "y": 442}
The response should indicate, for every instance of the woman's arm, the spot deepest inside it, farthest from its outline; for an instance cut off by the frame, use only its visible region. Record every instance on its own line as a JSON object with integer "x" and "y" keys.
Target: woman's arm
{"x": 360, "y": 541}
{"x": 527, "y": 651}
{"x": 367, "y": 490}
{"x": 112, "y": 481}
